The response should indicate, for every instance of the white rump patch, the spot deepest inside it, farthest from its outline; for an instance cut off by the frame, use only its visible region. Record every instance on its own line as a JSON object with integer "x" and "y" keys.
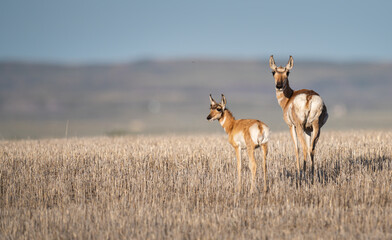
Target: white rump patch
{"x": 254, "y": 133}
{"x": 316, "y": 107}
{"x": 308, "y": 113}
{"x": 300, "y": 105}
{"x": 266, "y": 134}
{"x": 257, "y": 137}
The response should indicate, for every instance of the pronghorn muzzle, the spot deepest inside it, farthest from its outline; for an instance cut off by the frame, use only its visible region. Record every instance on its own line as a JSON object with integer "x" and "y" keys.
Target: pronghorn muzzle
{"x": 279, "y": 85}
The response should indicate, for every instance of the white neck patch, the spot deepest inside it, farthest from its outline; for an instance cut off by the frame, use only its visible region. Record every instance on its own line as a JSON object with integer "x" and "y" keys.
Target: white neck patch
{"x": 223, "y": 122}
{"x": 280, "y": 98}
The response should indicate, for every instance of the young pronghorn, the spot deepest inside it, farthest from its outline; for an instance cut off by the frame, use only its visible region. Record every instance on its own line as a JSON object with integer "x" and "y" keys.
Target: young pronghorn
{"x": 303, "y": 110}
{"x": 243, "y": 133}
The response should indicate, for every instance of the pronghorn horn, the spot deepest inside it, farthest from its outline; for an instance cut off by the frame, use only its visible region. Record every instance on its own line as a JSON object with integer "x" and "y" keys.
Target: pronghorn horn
{"x": 290, "y": 64}
{"x": 272, "y": 63}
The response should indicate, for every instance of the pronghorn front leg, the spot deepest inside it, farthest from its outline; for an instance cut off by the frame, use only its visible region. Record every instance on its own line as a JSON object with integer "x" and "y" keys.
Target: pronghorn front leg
{"x": 238, "y": 155}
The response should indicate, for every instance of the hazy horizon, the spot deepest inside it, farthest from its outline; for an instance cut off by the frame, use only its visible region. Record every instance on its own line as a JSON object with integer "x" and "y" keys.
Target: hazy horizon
{"x": 172, "y": 96}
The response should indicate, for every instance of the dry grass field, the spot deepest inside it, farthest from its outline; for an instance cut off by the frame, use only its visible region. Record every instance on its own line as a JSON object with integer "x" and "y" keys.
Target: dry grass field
{"x": 183, "y": 187}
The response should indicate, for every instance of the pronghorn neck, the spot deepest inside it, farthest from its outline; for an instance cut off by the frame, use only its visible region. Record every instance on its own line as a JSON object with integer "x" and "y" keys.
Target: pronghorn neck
{"x": 227, "y": 121}
{"x": 285, "y": 95}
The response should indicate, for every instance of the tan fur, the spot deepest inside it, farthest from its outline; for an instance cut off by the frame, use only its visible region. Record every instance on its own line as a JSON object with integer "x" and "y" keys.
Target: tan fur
{"x": 240, "y": 137}
{"x": 303, "y": 110}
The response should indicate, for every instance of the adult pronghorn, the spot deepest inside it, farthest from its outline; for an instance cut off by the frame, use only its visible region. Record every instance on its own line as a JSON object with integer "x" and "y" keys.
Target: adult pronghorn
{"x": 243, "y": 133}
{"x": 303, "y": 110}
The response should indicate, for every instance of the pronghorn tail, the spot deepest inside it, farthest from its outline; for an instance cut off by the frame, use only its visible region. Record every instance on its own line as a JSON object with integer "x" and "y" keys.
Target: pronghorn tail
{"x": 265, "y": 135}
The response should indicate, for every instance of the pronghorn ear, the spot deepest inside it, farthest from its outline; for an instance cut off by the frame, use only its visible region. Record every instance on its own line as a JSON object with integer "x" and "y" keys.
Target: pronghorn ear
{"x": 290, "y": 64}
{"x": 272, "y": 63}
{"x": 223, "y": 102}
{"x": 212, "y": 100}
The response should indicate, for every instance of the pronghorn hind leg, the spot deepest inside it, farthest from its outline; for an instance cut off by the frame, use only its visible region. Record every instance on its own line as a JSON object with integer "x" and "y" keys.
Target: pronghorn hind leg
{"x": 265, "y": 153}
{"x": 314, "y": 138}
{"x": 252, "y": 165}
{"x": 295, "y": 140}
{"x": 300, "y": 134}
{"x": 238, "y": 155}
{"x": 308, "y": 136}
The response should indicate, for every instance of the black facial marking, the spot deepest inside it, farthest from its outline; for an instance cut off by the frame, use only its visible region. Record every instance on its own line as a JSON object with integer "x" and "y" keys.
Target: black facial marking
{"x": 216, "y": 107}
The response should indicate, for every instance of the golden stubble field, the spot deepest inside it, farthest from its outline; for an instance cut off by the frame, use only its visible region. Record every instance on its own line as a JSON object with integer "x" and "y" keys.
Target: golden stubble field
{"x": 183, "y": 187}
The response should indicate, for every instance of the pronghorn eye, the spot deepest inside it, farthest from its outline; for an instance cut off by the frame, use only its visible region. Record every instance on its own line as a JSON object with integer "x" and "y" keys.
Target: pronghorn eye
{"x": 219, "y": 109}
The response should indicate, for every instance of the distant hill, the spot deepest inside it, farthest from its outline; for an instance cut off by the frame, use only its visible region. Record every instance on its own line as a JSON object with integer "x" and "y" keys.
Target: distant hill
{"x": 40, "y": 100}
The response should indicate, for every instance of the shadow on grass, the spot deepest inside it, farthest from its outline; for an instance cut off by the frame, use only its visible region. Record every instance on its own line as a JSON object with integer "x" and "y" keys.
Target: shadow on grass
{"x": 374, "y": 164}
{"x": 330, "y": 171}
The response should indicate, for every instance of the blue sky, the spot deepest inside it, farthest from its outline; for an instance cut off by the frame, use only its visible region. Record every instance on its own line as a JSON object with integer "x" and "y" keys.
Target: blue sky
{"x": 106, "y": 31}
